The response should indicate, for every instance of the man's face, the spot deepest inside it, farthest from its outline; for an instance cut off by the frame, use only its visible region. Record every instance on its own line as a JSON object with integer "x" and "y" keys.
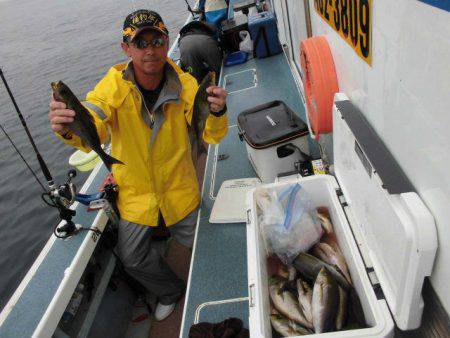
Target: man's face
{"x": 148, "y": 52}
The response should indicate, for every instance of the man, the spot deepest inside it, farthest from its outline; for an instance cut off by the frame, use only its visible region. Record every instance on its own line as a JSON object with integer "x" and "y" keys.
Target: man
{"x": 146, "y": 104}
{"x": 199, "y": 49}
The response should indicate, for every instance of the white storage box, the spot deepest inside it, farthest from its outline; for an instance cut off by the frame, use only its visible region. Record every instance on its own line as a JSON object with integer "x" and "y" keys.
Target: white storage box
{"x": 275, "y": 138}
{"x": 384, "y": 234}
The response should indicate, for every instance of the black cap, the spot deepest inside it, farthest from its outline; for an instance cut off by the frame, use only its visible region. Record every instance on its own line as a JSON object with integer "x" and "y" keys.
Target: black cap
{"x": 141, "y": 20}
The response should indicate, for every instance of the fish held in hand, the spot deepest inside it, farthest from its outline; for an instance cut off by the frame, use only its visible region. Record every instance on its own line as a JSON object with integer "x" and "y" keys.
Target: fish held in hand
{"x": 83, "y": 123}
{"x": 200, "y": 113}
{"x": 324, "y": 302}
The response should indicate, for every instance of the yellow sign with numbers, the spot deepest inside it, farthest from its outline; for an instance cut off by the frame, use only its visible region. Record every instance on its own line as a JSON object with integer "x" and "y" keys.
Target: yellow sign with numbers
{"x": 352, "y": 19}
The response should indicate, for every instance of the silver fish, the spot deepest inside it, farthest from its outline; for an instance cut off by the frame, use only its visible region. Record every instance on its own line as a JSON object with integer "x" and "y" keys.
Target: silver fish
{"x": 341, "y": 315}
{"x": 281, "y": 325}
{"x": 309, "y": 266}
{"x": 333, "y": 257}
{"x": 273, "y": 311}
{"x": 292, "y": 273}
{"x": 283, "y": 271}
{"x": 305, "y": 298}
{"x": 200, "y": 113}
{"x": 83, "y": 124}
{"x": 325, "y": 222}
{"x": 287, "y": 272}
{"x": 324, "y": 302}
{"x": 299, "y": 330}
{"x": 286, "y": 327}
{"x": 329, "y": 236}
{"x": 285, "y": 302}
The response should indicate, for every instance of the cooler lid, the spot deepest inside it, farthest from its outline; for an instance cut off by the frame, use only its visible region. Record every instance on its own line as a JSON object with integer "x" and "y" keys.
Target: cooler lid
{"x": 269, "y": 124}
{"x": 399, "y": 231}
{"x": 229, "y": 206}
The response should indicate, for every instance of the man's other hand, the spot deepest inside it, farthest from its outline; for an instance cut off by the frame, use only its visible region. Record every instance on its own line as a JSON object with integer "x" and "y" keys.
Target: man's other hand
{"x": 216, "y": 97}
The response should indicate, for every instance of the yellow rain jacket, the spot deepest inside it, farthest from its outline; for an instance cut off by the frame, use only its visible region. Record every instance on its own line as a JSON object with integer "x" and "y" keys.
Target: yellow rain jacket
{"x": 158, "y": 173}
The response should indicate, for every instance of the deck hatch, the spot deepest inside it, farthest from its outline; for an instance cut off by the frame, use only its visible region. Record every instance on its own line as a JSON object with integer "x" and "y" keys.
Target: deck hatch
{"x": 243, "y": 80}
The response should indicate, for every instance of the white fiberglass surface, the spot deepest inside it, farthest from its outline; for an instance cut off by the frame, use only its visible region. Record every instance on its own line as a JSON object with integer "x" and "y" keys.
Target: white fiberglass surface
{"x": 405, "y": 98}
{"x": 398, "y": 230}
{"x": 321, "y": 190}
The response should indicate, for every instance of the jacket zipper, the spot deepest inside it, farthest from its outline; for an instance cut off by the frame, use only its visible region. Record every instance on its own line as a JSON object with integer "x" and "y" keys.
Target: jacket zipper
{"x": 152, "y": 117}
{"x": 152, "y": 180}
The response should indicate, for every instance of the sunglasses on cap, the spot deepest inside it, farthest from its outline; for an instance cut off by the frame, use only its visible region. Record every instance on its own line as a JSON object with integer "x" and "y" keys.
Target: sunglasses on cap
{"x": 143, "y": 44}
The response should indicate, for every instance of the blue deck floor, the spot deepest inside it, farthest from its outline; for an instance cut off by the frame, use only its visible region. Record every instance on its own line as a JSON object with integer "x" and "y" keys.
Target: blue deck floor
{"x": 219, "y": 265}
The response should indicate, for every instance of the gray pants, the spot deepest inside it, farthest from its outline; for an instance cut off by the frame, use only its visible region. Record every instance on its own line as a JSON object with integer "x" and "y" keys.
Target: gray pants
{"x": 199, "y": 54}
{"x": 143, "y": 262}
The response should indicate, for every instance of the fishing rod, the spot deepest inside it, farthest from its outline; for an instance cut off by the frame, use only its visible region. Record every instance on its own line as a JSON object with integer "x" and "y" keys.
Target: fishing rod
{"x": 42, "y": 164}
{"x": 61, "y": 197}
{"x": 22, "y": 157}
{"x": 193, "y": 12}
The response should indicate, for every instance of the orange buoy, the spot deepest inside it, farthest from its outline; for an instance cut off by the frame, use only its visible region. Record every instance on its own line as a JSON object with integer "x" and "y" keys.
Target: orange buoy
{"x": 319, "y": 82}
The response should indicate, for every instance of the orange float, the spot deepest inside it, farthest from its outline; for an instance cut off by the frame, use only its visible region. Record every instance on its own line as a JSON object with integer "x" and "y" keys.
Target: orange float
{"x": 319, "y": 82}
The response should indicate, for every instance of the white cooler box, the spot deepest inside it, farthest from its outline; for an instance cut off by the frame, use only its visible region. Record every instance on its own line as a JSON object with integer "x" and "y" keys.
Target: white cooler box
{"x": 275, "y": 138}
{"x": 387, "y": 235}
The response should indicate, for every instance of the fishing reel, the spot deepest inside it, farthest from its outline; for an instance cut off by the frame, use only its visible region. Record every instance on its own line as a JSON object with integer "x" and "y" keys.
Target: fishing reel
{"x": 63, "y": 197}
{"x": 65, "y": 193}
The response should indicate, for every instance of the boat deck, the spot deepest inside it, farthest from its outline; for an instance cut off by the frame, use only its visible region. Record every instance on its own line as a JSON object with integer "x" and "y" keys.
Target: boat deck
{"x": 217, "y": 286}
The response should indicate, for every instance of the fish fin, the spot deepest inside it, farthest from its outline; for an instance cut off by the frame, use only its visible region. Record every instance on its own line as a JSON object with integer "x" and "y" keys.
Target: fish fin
{"x": 109, "y": 160}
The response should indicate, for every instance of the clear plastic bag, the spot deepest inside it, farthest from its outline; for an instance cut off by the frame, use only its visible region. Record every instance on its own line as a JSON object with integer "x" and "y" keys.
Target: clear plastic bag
{"x": 288, "y": 221}
{"x": 246, "y": 44}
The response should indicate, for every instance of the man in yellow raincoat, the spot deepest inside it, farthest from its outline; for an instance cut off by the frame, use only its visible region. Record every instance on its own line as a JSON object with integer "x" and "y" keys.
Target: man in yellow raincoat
{"x": 144, "y": 107}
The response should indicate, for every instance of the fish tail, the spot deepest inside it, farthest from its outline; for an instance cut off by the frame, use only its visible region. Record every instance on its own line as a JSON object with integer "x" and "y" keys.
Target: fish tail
{"x": 109, "y": 160}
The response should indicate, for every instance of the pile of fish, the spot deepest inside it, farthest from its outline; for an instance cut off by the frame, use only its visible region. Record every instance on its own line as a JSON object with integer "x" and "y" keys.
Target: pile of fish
{"x": 315, "y": 294}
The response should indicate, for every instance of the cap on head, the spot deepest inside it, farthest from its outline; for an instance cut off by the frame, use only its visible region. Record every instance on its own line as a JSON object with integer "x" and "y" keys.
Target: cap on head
{"x": 141, "y": 20}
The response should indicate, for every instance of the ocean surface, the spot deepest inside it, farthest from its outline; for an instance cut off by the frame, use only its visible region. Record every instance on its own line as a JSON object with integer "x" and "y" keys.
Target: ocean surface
{"x": 43, "y": 41}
